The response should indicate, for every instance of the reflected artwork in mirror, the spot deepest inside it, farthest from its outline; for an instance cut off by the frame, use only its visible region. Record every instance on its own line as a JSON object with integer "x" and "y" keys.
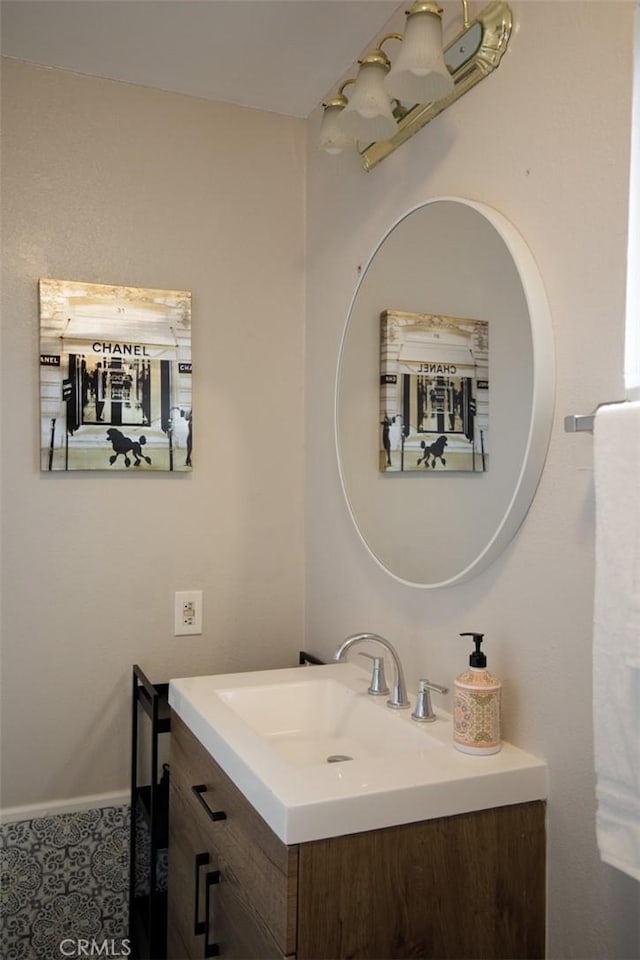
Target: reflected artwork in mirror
{"x": 434, "y": 393}
{"x": 459, "y": 259}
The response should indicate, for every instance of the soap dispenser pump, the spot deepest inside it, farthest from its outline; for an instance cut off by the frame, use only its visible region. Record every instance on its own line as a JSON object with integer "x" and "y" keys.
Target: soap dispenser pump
{"x": 476, "y": 705}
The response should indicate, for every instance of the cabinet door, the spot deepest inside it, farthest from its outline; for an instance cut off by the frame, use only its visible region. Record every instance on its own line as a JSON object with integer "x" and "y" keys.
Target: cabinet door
{"x": 236, "y": 930}
{"x": 253, "y": 904}
{"x": 472, "y": 885}
{"x": 264, "y": 870}
{"x": 189, "y": 863}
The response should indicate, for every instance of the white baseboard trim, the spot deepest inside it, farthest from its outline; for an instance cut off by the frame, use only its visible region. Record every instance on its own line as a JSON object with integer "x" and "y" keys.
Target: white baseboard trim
{"x": 72, "y": 805}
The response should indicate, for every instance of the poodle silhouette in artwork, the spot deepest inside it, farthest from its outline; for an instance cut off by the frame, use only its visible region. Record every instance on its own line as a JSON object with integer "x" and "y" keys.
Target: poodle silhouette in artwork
{"x": 433, "y": 452}
{"x": 124, "y": 446}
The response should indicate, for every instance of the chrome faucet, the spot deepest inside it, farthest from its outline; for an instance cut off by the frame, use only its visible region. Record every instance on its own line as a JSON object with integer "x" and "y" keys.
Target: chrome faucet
{"x": 398, "y": 699}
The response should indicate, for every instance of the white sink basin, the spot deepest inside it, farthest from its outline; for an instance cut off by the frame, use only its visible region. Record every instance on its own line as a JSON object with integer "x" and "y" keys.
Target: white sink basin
{"x": 312, "y": 721}
{"x": 278, "y": 733}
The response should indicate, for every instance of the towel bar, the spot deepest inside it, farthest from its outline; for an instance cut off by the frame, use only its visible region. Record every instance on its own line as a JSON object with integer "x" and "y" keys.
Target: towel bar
{"x": 579, "y": 423}
{"x": 583, "y": 422}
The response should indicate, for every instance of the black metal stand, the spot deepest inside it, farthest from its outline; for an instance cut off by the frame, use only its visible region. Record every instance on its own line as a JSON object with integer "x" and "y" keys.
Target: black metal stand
{"x": 308, "y": 659}
{"x": 149, "y": 821}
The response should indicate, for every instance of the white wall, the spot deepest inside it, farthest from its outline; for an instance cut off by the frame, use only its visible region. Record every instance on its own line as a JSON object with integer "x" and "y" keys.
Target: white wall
{"x": 114, "y": 183}
{"x": 545, "y": 140}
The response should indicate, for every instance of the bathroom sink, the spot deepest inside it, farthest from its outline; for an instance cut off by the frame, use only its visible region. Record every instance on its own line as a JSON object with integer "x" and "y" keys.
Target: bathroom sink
{"x": 317, "y": 756}
{"x": 313, "y": 721}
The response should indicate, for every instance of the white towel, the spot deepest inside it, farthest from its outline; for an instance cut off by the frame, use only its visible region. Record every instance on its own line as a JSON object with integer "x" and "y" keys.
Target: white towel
{"x": 616, "y": 639}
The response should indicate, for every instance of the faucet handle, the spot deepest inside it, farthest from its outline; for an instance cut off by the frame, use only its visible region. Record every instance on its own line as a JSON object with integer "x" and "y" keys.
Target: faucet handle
{"x": 378, "y": 686}
{"x": 423, "y": 711}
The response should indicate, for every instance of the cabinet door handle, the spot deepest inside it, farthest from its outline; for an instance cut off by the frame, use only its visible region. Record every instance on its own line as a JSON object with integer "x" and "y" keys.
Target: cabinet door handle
{"x": 210, "y": 949}
{"x": 199, "y": 790}
{"x": 201, "y": 860}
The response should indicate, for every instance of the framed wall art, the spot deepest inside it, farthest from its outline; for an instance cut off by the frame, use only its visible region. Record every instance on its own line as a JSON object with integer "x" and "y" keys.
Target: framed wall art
{"x": 115, "y": 378}
{"x": 434, "y": 393}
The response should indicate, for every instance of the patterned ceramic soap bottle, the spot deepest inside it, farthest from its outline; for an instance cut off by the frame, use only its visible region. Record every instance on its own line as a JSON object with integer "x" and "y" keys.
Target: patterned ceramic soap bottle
{"x": 476, "y": 706}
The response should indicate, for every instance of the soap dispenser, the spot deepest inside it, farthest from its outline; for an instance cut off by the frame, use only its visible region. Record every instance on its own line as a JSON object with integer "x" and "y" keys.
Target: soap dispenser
{"x": 476, "y": 705}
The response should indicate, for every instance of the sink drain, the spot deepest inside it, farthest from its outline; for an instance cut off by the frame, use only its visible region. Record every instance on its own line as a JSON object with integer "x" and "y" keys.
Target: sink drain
{"x": 338, "y": 758}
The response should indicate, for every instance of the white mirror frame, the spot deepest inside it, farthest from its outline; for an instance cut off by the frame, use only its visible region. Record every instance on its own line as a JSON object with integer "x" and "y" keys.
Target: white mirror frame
{"x": 542, "y": 400}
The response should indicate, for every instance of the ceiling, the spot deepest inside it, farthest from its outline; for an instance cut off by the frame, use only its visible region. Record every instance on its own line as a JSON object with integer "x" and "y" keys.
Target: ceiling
{"x": 277, "y": 55}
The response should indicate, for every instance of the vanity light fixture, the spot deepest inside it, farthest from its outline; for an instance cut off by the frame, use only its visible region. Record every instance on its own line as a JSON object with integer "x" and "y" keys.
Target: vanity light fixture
{"x": 391, "y": 101}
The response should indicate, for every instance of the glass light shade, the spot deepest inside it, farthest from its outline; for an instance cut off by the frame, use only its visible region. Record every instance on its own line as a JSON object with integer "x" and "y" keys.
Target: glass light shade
{"x": 419, "y": 73}
{"x": 368, "y": 117}
{"x": 332, "y": 138}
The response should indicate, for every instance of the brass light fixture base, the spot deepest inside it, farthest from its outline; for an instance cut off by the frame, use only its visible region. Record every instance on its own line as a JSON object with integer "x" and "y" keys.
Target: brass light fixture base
{"x": 473, "y": 55}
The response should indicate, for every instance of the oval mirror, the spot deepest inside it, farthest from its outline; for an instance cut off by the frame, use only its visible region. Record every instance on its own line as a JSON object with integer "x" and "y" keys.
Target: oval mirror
{"x": 455, "y": 285}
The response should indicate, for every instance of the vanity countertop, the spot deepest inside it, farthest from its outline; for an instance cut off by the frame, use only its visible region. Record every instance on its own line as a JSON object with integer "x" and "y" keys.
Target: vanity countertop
{"x": 415, "y": 775}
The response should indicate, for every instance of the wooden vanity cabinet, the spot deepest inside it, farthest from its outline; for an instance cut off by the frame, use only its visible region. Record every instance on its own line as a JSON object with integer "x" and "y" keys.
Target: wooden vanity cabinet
{"x": 457, "y": 887}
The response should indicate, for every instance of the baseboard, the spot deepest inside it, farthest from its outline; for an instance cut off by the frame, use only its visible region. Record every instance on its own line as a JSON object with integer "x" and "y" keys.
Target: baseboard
{"x": 54, "y": 808}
